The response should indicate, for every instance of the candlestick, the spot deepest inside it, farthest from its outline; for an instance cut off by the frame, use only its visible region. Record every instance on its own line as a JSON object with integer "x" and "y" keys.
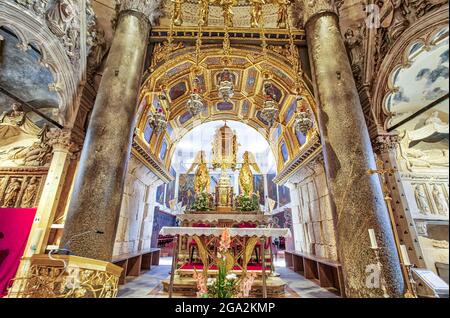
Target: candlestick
{"x": 373, "y": 239}
{"x": 405, "y": 256}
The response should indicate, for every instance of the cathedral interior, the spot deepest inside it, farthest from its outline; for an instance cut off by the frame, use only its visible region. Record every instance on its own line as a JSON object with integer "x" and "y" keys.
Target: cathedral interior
{"x": 224, "y": 148}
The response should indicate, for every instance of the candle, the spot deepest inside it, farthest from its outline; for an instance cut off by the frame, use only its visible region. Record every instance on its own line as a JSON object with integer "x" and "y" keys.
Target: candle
{"x": 373, "y": 239}
{"x": 405, "y": 256}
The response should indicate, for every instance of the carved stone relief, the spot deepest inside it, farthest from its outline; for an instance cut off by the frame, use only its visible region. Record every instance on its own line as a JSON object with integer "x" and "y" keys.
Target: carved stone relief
{"x": 21, "y": 187}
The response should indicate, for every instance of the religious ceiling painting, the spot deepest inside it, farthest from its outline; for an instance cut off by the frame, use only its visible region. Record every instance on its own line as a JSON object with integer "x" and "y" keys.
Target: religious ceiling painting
{"x": 423, "y": 81}
{"x": 258, "y": 185}
{"x": 290, "y": 112}
{"x": 163, "y": 150}
{"x": 177, "y": 90}
{"x": 301, "y": 138}
{"x": 284, "y": 151}
{"x": 224, "y": 106}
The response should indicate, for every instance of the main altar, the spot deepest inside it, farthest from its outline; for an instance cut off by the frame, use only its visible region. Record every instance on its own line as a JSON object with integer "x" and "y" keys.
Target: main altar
{"x": 196, "y": 247}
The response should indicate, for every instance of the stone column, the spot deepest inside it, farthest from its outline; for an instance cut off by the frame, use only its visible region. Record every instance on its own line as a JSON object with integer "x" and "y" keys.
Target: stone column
{"x": 348, "y": 155}
{"x": 94, "y": 209}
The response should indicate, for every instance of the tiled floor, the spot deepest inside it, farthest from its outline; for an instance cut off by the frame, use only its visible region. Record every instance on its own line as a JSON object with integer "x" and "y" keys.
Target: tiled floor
{"x": 148, "y": 285}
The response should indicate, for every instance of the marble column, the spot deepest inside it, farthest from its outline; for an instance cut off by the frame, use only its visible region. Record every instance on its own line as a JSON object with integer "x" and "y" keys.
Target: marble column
{"x": 94, "y": 208}
{"x": 348, "y": 155}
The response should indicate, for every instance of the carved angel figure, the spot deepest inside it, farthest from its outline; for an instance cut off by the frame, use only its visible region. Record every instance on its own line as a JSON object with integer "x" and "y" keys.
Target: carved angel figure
{"x": 246, "y": 174}
{"x": 202, "y": 180}
{"x": 282, "y": 14}
{"x": 256, "y": 13}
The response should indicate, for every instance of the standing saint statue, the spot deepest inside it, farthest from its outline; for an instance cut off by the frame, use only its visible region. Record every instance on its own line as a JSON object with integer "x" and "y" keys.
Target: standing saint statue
{"x": 246, "y": 174}
{"x": 202, "y": 180}
{"x": 439, "y": 200}
{"x": 30, "y": 193}
{"x": 421, "y": 199}
{"x": 11, "y": 193}
{"x": 282, "y": 14}
{"x": 256, "y": 14}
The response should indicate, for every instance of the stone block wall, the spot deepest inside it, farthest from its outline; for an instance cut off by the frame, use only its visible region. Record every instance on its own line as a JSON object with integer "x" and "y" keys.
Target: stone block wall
{"x": 313, "y": 221}
{"x": 136, "y": 216}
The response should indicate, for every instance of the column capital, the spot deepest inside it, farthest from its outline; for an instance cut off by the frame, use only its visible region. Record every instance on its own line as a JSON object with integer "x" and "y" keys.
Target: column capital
{"x": 151, "y": 9}
{"x": 311, "y": 8}
{"x": 61, "y": 141}
{"x": 385, "y": 142}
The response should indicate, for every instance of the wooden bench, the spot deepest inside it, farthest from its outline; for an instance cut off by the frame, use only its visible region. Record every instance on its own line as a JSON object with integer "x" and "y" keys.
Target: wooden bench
{"x": 327, "y": 273}
{"x": 134, "y": 263}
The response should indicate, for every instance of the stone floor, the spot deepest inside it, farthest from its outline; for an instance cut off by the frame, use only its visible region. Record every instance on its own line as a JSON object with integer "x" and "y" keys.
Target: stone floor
{"x": 148, "y": 285}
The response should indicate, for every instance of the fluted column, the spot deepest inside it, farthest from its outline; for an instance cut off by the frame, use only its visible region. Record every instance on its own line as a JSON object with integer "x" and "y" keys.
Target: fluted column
{"x": 94, "y": 208}
{"x": 348, "y": 155}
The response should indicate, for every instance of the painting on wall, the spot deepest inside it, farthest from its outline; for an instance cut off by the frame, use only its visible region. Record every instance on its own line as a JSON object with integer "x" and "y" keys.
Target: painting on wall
{"x": 284, "y": 152}
{"x": 148, "y": 131}
{"x": 160, "y": 194}
{"x": 272, "y": 189}
{"x": 170, "y": 190}
{"x": 160, "y": 219}
{"x": 284, "y": 195}
{"x": 163, "y": 151}
{"x": 258, "y": 186}
{"x": 301, "y": 138}
{"x": 186, "y": 189}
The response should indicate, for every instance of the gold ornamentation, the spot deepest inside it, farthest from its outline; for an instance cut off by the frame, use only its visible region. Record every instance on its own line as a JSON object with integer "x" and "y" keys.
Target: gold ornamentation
{"x": 177, "y": 12}
{"x": 246, "y": 174}
{"x": 227, "y": 6}
{"x": 68, "y": 277}
{"x": 162, "y": 50}
{"x": 30, "y": 193}
{"x": 256, "y": 14}
{"x": 282, "y": 15}
{"x": 202, "y": 180}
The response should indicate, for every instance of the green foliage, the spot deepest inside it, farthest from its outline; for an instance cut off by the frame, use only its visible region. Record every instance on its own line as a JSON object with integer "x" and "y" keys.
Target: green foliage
{"x": 224, "y": 286}
{"x": 201, "y": 202}
{"x": 247, "y": 203}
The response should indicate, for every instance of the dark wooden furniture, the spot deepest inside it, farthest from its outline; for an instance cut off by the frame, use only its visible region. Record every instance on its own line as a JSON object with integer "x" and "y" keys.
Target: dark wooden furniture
{"x": 134, "y": 263}
{"x": 327, "y": 273}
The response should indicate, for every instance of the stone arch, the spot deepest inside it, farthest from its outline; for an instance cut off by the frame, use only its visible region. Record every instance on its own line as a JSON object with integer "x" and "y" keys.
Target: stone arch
{"x": 422, "y": 31}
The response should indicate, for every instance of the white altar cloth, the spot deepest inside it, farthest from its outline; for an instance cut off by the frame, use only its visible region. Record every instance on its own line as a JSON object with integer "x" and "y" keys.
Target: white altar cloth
{"x": 217, "y": 231}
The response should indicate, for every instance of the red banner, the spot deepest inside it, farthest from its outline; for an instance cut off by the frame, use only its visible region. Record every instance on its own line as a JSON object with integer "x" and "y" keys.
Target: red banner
{"x": 15, "y": 226}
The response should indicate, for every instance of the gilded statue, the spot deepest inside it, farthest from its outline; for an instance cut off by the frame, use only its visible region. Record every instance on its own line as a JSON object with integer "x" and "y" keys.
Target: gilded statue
{"x": 227, "y": 6}
{"x": 177, "y": 12}
{"x": 256, "y": 14}
{"x": 204, "y": 12}
{"x": 30, "y": 193}
{"x": 282, "y": 14}
{"x": 246, "y": 174}
{"x": 202, "y": 180}
{"x": 11, "y": 193}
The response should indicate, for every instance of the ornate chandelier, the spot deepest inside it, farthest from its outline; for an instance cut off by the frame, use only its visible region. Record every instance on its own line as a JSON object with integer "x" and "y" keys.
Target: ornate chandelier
{"x": 303, "y": 122}
{"x": 270, "y": 112}
{"x": 226, "y": 89}
{"x": 158, "y": 121}
{"x": 194, "y": 103}
{"x": 226, "y": 86}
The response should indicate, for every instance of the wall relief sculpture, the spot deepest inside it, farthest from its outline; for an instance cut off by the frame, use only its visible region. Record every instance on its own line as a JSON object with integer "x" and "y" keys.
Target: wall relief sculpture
{"x": 440, "y": 201}
{"x": 22, "y": 143}
{"x": 422, "y": 199}
{"x": 421, "y": 150}
{"x": 353, "y": 40}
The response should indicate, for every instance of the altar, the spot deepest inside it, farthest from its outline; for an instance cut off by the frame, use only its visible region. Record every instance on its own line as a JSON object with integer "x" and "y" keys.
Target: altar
{"x": 251, "y": 254}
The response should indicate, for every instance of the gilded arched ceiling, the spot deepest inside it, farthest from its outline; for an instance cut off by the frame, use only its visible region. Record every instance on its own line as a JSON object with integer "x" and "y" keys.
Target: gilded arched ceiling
{"x": 173, "y": 73}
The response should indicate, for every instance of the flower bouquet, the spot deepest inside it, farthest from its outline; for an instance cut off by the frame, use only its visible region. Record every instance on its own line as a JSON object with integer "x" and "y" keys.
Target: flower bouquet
{"x": 226, "y": 284}
{"x": 247, "y": 203}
